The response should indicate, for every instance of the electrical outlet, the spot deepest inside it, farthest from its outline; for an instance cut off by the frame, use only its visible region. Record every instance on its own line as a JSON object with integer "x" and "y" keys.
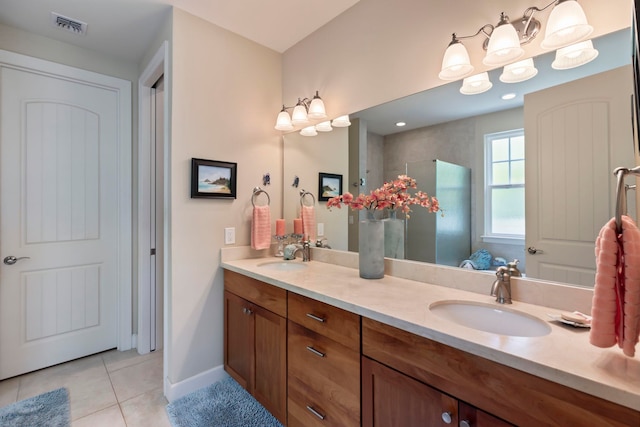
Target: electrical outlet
{"x": 321, "y": 229}
{"x": 229, "y": 235}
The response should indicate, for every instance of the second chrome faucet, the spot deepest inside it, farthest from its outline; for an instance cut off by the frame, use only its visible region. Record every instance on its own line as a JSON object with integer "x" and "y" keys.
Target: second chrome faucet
{"x": 501, "y": 288}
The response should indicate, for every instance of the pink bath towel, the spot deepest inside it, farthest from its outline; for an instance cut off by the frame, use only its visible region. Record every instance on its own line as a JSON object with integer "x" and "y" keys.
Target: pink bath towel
{"x": 261, "y": 227}
{"x": 309, "y": 222}
{"x": 616, "y": 298}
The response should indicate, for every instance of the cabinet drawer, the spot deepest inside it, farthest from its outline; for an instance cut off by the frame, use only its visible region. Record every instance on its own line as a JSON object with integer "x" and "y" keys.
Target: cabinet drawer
{"x": 330, "y": 321}
{"x": 267, "y": 296}
{"x": 323, "y": 376}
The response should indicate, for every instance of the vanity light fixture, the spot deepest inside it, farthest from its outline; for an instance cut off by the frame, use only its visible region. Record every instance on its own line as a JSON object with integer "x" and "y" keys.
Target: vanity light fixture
{"x": 574, "y": 56}
{"x": 518, "y": 71}
{"x": 303, "y": 112}
{"x": 476, "y": 84}
{"x": 567, "y": 25}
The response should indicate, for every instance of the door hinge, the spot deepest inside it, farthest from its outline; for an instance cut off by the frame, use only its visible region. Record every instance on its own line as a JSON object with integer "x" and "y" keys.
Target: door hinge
{"x": 153, "y": 251}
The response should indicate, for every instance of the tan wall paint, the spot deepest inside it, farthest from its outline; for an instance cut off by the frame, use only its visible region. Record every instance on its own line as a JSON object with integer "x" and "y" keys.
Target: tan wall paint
{"x": 381, "y": 50}
{"x": 225, "y": 92}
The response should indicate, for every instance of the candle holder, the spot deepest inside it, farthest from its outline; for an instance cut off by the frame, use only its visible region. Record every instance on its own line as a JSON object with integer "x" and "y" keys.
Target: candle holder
{"x": 280, "y": 240}
{"x": 297, "y": 238}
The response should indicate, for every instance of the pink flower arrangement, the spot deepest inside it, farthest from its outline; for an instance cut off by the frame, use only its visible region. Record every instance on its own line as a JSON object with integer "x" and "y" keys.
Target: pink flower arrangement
{"x": 392, "y": 195}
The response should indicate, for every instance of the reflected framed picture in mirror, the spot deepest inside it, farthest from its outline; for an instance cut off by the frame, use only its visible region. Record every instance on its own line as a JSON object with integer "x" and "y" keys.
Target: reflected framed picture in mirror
{"x": 213, "y": 179}
{"x": 329, "y": 185}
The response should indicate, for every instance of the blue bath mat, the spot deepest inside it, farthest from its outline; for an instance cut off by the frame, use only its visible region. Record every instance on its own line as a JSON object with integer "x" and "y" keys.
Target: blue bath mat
{"x": 49, "y": 409}
{"x": 222, "y": 404}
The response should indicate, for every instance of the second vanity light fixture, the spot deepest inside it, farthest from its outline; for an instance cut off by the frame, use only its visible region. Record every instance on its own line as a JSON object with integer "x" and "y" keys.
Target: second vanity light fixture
{"x": 565, "y": 31}
{"x": 303, "y": 112}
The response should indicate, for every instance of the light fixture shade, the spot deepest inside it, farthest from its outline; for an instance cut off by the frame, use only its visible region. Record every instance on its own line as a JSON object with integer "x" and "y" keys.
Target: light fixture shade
{"x": 567, "y": 24}
{"x": 309, "y": 131}
{"x": 455, "y": 63}
{"x": 574, "y": 56}
{"x": 299, "y": 115}
{"x": 476, "y": 84}
{"x": 518, "y": 71}
{"x": 341, "y": 122}
{"x": 316, "y": 108}
{"x": 283, "y": 122}
{"x": 504, "y": 45}
{"x": 324, "y": 127}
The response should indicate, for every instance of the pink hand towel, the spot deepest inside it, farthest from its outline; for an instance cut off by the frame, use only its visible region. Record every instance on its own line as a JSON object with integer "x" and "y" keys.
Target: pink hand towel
{"x": 309, "y": 222}
{"x": 261, "y": 227}
{"x": 616, "y": 298}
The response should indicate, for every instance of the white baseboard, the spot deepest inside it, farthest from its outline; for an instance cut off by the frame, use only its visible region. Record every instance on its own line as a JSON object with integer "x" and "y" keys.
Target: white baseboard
{"x": 184, "y": 387}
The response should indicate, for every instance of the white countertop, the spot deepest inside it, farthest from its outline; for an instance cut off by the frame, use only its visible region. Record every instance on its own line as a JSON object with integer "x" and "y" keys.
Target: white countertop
{"x": 563, "y": 356}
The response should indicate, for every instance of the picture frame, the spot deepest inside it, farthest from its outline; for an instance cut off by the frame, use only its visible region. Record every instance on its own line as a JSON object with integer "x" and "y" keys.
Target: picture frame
{"x": 213, "y": 179}
{"x": 329, "y": 185}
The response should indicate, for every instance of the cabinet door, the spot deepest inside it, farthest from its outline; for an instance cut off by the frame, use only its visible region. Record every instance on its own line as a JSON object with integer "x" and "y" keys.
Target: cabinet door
{"x": 391, "y": 399}
{"x": 471, "y": 416}
{"x": 270, "y": 384}
{"x": 239, "y": 340}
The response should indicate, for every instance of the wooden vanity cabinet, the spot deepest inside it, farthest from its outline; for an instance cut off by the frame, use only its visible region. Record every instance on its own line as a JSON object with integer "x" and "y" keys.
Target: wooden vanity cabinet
{"x": 255, "y": 340}
{"x": 323, "y": 364}
{"x": 499, "y": 391}
{"x": 391, "y": 398}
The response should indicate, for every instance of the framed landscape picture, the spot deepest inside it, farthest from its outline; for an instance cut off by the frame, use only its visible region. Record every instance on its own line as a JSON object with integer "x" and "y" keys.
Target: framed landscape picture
{"x": 213, "y": 179}
{"x": 329, "y": 185}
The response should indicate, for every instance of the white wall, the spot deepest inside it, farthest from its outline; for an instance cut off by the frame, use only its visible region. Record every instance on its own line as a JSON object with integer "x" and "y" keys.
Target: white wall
{"x": 225, "y": 94}
{"x": 380, "y": 50}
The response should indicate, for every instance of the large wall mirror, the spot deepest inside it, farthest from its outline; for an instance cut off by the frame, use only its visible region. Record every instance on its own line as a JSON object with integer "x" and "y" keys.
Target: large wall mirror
{"x": 567, "y": 201}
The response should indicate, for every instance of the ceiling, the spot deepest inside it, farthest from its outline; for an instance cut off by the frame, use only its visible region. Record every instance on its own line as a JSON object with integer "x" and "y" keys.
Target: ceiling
{"x": 445, "y": 103}
{"x": 126, "y": 28}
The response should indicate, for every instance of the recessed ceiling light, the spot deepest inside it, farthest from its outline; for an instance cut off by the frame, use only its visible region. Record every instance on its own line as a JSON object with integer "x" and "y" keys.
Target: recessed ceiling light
{"x": 508, "y": 96}
{"x": 400, "y": 124}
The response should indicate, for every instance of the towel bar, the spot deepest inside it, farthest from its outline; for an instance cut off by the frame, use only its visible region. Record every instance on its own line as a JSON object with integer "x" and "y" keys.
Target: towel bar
{"x": 621, "y": 193}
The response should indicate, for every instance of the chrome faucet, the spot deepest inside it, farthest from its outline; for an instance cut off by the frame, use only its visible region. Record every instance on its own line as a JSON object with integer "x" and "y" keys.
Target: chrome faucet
{"x": 305, "y": 247}
{"x": 501, "y": 288}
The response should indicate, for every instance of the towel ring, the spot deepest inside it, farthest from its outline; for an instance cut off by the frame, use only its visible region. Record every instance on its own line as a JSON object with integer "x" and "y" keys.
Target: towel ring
{"x": 256, "y": 192}
{"x": 304, "y": 193}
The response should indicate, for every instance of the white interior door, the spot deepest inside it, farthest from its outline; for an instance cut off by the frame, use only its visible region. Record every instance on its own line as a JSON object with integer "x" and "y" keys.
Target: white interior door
{"x": 576, "y": 135}
{"x": 60, "y": 208}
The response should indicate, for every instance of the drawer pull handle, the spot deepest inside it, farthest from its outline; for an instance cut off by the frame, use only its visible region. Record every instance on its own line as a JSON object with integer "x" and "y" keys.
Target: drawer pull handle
{"x": 314, "y": 351}
{"x": 314, "y": 412}
{"x": 247, "y": 311}
{"x": 314, "y": 317}
{"x": 446, "y": 417}
{"x": 465, "y": 423}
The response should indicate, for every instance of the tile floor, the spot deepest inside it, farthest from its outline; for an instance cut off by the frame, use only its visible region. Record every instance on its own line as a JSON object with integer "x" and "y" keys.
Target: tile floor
{"x": 110, "y": 389}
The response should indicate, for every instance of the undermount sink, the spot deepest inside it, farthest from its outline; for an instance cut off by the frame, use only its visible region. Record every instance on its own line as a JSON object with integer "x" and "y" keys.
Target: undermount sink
{"x": 283, "y": 265}
{"x": 491, "y": 318}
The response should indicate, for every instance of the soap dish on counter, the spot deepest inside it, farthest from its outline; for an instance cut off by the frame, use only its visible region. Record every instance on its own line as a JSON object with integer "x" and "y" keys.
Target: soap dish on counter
{"x": 575, "y": 319}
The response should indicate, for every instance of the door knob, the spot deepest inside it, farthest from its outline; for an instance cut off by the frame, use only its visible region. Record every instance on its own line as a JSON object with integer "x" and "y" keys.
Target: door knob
{"x": 10, "y": 260}
{"x": 533, "y": 251}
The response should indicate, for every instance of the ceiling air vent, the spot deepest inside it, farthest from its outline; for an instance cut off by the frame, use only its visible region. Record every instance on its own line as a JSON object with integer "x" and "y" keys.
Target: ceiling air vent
{"x": 69, "y": 24}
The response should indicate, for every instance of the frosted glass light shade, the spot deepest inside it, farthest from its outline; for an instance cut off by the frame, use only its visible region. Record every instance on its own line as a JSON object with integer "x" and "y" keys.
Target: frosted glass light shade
{"x": 476, "y": 84}
{"x": 309, "y": 131}
{"x": 567, "y": 24}
{"x": 341, "y": 122}
{"x": 299, "y": 115}
{"x": 316, "y": 108}
{"x": 283, "y": 122}
{"x": 324, "y": 127}
{"x": 574, "y": 56}
{"x": 504, "y": 46}
{"x": 455, "y": 63}
{"x": 518, "y": 71}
